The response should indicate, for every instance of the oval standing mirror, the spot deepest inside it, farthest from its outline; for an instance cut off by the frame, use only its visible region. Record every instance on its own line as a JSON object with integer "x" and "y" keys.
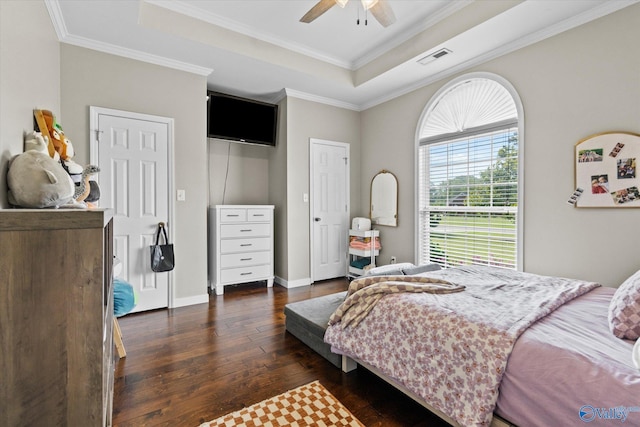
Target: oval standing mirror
{"x": 384, "y": 199}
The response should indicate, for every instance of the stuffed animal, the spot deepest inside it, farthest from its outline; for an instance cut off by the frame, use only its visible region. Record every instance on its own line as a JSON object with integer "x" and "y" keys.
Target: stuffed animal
{"x": 36, "y": 142}
{"x": 58, "y": 142}
{"x": 35, "y": 180}
{"x": 94, "y": 192}
{"x": 84, "y": 187}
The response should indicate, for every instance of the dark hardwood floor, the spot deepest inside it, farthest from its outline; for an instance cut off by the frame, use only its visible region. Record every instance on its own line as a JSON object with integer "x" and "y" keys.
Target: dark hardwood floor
{"x": 193, "y": 364}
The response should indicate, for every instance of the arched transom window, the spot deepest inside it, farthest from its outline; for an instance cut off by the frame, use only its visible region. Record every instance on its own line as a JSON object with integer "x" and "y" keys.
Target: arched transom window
{"x": 468, "y": 176}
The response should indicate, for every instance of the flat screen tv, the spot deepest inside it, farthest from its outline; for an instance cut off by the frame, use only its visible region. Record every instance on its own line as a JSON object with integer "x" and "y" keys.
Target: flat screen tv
{"x": 240, "y": 119}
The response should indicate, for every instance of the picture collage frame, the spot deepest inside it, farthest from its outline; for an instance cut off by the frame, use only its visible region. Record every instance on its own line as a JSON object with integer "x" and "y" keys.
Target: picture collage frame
{"x": 606, "y": 174}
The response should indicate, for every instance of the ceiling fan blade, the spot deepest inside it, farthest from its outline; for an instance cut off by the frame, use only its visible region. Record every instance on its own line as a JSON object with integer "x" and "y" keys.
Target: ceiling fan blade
{"x": 321, "y": 7}
{"x": 383, "y": 13}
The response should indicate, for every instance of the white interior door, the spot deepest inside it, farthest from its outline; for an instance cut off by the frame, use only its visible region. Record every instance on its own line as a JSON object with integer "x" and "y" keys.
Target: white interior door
{"x": 330, "y": 208}
{"x": 132, "y": 151}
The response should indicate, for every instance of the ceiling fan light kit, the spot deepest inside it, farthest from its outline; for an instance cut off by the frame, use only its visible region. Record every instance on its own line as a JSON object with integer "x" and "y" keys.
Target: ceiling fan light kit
{"x": 368, "y": 4}
{"x": 379, "y": 9}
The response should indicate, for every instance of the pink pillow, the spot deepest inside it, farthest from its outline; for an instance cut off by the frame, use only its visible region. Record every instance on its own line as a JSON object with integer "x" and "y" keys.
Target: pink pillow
{"x": 624, "y": 309}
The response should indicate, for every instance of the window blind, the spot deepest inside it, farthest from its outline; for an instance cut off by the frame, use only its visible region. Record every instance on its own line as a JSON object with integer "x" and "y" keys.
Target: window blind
{"x": 468, "y": 202}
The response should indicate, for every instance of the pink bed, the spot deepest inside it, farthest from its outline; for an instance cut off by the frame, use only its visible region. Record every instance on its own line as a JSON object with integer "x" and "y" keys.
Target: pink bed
{"x": 568, "y": 369}
{"x": 562, "y": 365}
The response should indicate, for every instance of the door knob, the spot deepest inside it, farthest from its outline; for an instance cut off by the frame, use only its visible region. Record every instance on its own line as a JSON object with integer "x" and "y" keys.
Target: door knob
{"x": 316, "y": 219}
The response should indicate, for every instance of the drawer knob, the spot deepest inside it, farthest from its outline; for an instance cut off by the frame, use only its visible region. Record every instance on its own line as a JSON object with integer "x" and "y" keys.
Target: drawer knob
{"x": 246, "y": 230}
{"x": 246, "y": 259}
{"x": 245, "y": 274}
{"x": 246, "y": 244}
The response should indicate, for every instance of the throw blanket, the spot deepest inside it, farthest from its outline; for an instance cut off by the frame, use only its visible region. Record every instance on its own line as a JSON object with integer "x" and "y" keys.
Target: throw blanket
{"x": 365, "y": 292}
{"x": 452, "y": 350}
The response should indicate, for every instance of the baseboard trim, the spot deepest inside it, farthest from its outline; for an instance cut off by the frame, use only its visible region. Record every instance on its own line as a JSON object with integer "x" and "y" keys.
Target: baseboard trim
{"x": 294, "y": 283}
{"x": 196, "y": 299}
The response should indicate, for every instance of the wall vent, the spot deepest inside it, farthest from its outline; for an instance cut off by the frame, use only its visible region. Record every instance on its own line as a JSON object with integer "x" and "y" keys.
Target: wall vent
{"x": 433, "y": 56}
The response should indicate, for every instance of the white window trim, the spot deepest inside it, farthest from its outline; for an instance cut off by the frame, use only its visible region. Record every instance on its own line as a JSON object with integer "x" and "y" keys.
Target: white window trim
{"x": 521, "y": 144}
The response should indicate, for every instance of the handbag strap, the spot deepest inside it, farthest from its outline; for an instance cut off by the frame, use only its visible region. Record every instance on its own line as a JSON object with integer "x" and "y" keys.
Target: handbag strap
{"x": 164, "y": 231}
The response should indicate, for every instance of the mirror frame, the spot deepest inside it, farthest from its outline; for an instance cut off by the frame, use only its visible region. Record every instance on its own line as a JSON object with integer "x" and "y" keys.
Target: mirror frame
{"x": 391, "y": 221}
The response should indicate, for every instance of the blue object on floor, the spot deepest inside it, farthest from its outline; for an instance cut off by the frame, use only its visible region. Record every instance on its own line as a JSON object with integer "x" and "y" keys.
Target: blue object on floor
{"x": 123, "y": 297}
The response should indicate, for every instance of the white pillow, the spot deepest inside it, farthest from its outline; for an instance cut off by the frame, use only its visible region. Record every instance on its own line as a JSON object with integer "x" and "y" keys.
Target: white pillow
{"x": 390, "y": 269}
{"x": 635, "y": 355}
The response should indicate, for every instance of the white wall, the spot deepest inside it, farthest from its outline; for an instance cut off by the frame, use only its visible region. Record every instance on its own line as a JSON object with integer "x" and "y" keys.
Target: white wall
{"x": 89, "y": 78}
{"x": 574, "y": 85}
{"x": 29, "y": 75}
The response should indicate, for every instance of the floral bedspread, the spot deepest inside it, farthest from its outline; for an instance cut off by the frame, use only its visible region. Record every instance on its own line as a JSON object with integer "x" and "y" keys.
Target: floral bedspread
{"x": 452, "y": 349}
{"x": 364, "y": 293}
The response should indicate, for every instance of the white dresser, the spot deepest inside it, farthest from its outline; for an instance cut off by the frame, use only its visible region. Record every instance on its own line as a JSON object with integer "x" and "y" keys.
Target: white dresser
{"x": 241, "y": 245}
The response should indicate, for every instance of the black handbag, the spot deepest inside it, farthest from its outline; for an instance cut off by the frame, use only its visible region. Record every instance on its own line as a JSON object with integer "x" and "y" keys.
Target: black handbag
{"x": 162, "y": 258}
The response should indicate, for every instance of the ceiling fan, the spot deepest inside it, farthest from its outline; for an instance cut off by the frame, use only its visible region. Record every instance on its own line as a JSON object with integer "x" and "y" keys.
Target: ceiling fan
{"x": 379, "y": 9}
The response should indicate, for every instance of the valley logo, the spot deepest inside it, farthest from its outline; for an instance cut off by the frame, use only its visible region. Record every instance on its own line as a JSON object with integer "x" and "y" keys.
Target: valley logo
{"x": 589, "y": 413}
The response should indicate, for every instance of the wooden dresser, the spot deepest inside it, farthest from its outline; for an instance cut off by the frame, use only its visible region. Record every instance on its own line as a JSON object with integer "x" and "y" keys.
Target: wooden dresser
{"x": 241, "y": 245}
{"x": 56, "y": 317}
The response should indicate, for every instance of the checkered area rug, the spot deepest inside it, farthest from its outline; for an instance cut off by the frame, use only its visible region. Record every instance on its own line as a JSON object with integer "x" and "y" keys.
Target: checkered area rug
{"x": 308, "y": 405}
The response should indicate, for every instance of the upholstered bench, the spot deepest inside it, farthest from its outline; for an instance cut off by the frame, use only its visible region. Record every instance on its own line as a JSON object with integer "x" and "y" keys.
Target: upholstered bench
{"x": 307, "y": 320}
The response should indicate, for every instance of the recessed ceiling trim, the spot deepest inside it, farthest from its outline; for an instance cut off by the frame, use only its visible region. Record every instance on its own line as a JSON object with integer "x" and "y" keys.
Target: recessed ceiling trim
{"x": 603, "y": 9}
{"x": 438, "y": 16}
{"x": 226, "y": 23}
{"x": 320, "y": 99}
{"x": 562, "y": 26}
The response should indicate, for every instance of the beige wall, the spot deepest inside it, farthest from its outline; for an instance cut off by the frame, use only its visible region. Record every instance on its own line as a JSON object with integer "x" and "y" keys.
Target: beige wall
{"x": 278, "y": 194}
{"x": 29, "y": 75}
{"x": 305, "y": 120}
{"x": 244, "y": 168}
{"x": 280, "y": 176}
{"x": 91, "y": 78}
{"x": 388, "y": 138}
{"x": 573, "y": 85}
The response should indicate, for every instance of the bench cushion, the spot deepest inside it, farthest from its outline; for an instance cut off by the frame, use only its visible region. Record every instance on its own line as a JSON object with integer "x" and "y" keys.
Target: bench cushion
{"x": 307, "y": 320}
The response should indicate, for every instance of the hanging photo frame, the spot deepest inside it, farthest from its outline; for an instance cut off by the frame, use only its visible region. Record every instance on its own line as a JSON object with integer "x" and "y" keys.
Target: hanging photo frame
{"x": 606, "y": 174}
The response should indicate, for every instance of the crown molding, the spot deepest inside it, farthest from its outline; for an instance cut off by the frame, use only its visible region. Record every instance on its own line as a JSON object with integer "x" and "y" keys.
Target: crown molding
{"x": 55, "y": 13}
{"x": 137, "y": 55}
{"x": 319, "y": 99}
{"x": 57, "y": 19}
{"x": 53, "y": 6}
{"x": 553, "y": 30}
{"x": 226, "y": 23}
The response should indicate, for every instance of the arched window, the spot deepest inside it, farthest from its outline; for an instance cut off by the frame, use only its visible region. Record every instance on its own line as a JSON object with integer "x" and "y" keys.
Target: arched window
{"x": 469, "y": 174}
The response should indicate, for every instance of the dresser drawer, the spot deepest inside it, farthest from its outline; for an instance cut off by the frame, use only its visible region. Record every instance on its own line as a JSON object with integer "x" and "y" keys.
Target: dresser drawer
{"x": 241, "y": 245}
{"x": 233, "y": 215}
{"x": 256, "y": 215}
{"x": 228, "y": 231}
{"x": 245, "y": 245}
{"x": 245, "y": 274}
{"x": 244, "y": 259}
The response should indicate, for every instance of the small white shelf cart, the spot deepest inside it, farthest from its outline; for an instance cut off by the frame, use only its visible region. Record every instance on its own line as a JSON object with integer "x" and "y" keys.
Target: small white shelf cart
{"x": 355, "y": 254}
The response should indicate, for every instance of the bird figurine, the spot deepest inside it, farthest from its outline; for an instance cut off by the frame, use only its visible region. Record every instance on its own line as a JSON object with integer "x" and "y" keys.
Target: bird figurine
{"x": 83, "y": 188}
